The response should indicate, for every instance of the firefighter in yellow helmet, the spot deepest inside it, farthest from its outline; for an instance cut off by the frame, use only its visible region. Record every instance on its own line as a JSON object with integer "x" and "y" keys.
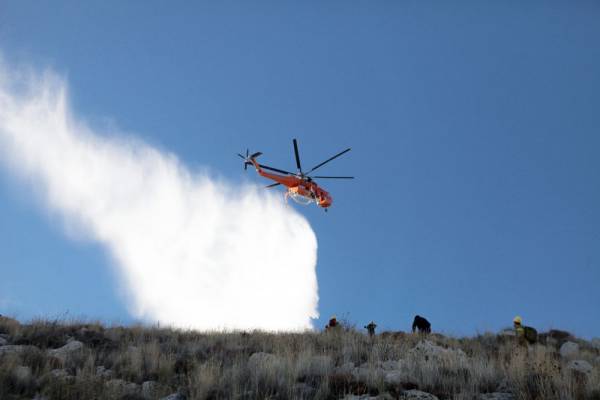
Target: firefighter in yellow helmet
{"x": 517, "y": 322}
{"x": 525, "y": 334}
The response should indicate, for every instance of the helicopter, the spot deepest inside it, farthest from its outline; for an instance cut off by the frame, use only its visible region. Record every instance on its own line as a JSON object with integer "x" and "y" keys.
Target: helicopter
{"x": 301, "y": 187}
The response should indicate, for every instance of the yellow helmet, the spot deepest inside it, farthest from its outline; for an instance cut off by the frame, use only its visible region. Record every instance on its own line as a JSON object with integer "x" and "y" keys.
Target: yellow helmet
{"x": 517, "y": 320}
{"x": 333, "y": 317}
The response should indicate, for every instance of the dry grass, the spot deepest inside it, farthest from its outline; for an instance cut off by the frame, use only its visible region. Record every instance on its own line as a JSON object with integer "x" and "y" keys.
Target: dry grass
{"x": 116, "y": 361}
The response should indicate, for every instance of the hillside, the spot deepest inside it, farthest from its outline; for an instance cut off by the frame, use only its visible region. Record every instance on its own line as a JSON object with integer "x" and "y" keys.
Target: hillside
{"x": 60, "y": 360}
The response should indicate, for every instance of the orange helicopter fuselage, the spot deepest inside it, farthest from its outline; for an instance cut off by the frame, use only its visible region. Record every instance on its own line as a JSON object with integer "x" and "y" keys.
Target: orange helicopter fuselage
{"x": 298, "y": 187}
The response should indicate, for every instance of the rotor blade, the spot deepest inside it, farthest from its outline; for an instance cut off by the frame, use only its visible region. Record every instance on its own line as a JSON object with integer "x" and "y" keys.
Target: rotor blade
{"x": 276, "y": 170}
{"x": 332, "y": 177}
{"x": 273, "y": 185}
{"x": 297, "y": 156}
{"x": 326, "y": 161}
{"x": 241, "y": 156}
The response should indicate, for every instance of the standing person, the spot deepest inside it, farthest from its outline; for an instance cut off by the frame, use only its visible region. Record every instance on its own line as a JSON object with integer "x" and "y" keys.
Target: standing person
{"x": 421, "y": 324}
{"x": 371, "y": 328}
{"x": 333, "y": 324}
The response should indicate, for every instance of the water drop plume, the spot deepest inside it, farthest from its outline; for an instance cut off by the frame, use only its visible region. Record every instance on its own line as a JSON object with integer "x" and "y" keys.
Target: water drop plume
{"x": 190, "y": 249}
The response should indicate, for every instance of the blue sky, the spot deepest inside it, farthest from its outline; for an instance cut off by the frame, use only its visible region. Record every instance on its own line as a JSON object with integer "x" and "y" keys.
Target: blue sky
{"x": 474, "y": 132}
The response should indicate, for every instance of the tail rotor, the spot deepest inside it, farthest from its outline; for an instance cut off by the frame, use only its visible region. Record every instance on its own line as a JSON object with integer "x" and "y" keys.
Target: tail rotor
{"x": 248, "y": 158}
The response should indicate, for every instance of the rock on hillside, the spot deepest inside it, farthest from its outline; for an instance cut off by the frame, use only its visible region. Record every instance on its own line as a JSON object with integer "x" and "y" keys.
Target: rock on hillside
{"x": 555, "y": 337}
{"x": 258, "y": 361}
{"x": 116, "y": 386}
{"x": 15, "y": 349}
{"x": 22, "y": 374}
{"x": 569, "y": 349}
{"x": 580, "y": 366}
{"x": 174, "y": 396}
{"x": 63, "y": 353}
{"x": 417, "y": 395}
{"x": 428, "y": 350}
{"x": 149, "y": 389}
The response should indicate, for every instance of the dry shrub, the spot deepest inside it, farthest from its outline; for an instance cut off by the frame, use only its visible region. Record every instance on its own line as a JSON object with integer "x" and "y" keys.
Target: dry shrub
{"x": 35, "y": 359}
{"x": 204, "y": 383}
{"x": 94, "y": 336}
{"x": 10, "y": 385}
{"x": 43, "y": 334}
{"x": 82, "y": 388}
{"x": 312, "y": 369}
{"x": 341, "y": 385}
{"x": 271, "y": 377}
{"x": 485, "y": 376}
{"x": 9, "y": 326}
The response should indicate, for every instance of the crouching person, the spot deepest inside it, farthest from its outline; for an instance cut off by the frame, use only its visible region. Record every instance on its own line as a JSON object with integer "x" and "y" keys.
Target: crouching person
{"x": 421, "y": 324}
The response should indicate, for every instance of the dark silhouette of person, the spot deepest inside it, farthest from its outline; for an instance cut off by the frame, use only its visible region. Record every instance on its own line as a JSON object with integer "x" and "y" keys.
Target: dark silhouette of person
{"x": 371, "y": 328}
{"x": 421, "y": 324}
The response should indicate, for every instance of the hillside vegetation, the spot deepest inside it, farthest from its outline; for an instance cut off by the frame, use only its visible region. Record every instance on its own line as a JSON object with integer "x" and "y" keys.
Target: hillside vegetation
{"x": 59, "y": 360}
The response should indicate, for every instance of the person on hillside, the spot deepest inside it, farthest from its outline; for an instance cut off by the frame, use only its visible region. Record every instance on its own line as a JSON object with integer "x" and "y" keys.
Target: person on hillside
{"x": 421, "y": 324}
{"x": 371, "y": 328}
{"x": 333, "y": 324}
{"x": 525, "y": 334}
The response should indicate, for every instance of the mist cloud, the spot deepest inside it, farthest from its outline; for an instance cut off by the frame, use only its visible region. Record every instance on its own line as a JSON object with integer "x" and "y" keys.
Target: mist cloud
{"x": 191, "y": 250}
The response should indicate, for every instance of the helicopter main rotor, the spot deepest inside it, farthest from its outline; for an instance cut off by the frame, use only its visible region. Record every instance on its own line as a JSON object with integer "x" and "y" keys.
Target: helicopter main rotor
{"x": 302, "y": 174}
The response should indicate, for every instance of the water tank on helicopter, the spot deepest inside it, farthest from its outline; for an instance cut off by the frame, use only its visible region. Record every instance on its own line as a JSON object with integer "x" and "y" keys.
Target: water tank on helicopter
{"x": 300, "y": 199}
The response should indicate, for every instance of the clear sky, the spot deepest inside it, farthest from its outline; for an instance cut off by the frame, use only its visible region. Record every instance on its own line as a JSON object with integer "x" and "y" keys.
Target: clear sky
{"x": 474, "y": 129}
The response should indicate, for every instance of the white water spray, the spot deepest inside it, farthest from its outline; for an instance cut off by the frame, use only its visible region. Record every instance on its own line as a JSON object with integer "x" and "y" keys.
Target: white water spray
{"x": 193, "y": 251}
